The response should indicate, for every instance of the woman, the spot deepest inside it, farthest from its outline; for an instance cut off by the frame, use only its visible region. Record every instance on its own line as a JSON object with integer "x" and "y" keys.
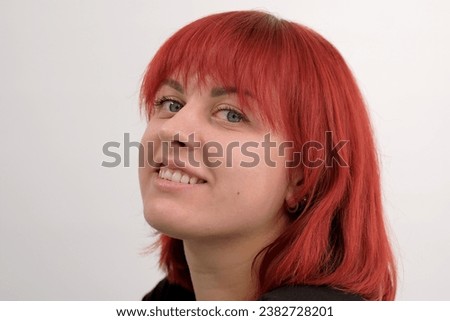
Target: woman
{"x": 261, "y": 172}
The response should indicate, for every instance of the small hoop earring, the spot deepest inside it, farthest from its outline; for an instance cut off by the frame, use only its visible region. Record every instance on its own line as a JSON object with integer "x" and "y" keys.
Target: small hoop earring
{"x": 292, "y": 210}
{"x": 295, "y": 210}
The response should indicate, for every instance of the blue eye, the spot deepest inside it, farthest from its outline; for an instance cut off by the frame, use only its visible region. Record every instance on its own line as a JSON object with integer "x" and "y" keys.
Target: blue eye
{"x": 168, "y": 104}
{"x": 231, "y": 115}
{"x": 174, "y": 106}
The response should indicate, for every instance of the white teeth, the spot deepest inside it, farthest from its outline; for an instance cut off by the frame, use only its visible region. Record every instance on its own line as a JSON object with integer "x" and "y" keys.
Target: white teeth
{"x": 185, "y": 179}
{"x": 178, "y": 177}
{"x": 168, "y": 175}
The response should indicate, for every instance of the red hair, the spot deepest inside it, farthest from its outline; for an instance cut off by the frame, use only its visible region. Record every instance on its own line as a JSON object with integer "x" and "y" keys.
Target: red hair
{"x": 304, "y": 89}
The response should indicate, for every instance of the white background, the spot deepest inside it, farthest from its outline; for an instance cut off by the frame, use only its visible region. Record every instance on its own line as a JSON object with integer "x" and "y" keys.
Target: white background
{"x": 70, "y": 72}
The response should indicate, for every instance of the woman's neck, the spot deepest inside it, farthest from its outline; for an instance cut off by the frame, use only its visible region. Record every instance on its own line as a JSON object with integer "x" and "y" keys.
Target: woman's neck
{"x": 221, "y": 273}
{"x": 224, "y": 269}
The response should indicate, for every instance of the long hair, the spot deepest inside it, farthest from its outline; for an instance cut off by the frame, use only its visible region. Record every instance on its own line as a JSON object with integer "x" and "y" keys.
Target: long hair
{"x": 305, "y": 91}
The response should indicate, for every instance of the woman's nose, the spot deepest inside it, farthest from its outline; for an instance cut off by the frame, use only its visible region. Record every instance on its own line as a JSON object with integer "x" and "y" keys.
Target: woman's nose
{"x": 182, "y": 129}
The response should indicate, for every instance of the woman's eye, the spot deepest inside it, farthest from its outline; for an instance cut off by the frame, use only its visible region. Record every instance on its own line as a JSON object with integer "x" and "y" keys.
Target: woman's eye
{"x": 169, "y": 104}
{"x": 172, "y": 106}
{"x": 231, "y": 115}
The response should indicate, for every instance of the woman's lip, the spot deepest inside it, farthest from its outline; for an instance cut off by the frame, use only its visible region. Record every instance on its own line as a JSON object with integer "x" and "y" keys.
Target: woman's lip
{"x": 166, "y": 185}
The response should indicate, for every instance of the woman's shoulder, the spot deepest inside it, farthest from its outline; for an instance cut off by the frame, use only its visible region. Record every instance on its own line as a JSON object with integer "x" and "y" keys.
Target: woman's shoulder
{"x": 166, "y": 291}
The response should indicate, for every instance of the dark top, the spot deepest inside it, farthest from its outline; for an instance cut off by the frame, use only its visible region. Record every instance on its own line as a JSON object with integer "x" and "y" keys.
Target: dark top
{"x": 166, "y": 291}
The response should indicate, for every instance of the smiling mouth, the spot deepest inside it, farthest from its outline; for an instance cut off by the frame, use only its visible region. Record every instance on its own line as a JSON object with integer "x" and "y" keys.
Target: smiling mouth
{"x": 178, "y": 176}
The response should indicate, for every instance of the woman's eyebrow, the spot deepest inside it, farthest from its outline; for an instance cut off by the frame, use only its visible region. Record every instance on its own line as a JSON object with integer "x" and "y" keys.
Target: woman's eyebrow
{"x": 220, "y": 91}
{"x": 174, "y": 84}
{"x": 215, "y": 92}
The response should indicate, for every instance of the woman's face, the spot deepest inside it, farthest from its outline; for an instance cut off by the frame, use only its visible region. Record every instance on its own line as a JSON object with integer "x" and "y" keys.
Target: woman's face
{"x": 210, "y": 171}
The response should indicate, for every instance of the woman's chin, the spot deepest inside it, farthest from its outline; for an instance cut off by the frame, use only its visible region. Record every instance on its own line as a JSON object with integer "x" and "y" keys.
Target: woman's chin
{"x": 174, "y": 223}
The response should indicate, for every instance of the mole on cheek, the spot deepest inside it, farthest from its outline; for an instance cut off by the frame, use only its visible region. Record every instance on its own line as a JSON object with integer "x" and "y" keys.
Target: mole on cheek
{"x": 238, "y": 193}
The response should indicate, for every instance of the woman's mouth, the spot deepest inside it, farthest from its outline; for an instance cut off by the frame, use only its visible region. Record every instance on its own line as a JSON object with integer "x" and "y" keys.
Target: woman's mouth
{"x": 179, "y": 176}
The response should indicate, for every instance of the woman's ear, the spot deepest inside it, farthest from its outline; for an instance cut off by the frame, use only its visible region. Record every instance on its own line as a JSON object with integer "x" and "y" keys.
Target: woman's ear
{"x": 292, "y": 193}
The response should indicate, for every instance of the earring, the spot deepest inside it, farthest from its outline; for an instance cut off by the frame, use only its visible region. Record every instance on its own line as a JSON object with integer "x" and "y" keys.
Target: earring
{"x": 298, "y": 208}
{"x": 292, "y": 210}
